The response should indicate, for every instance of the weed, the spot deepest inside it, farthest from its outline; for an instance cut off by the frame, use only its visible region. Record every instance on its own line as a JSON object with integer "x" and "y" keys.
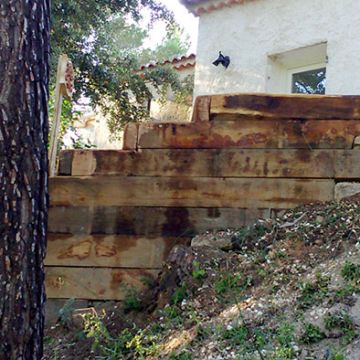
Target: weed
{"x": 237, "y": 336}
{"x": 171, "y": 312}
{"x": 249, "y": 235}
{"x": 231, "y": 282}
{"x": 346, "y": 291}
{"x": 351, "y": 272}
{"x": 312, "y": 334}
{"x": 285, "y": 334}
{"x": 48, "y": 340}
{"x": 313, "y": 293}
{"x": 184, "y": 355}
{"x": 148, "y": 281}
{"x": 179, "y": 294}
{"x": 65, "y": 313}
{"x": 143, "y": 345}
{"x": 335, "y": 355}
{"x": 198, "y": 273}
{"x": 137, "y": 342}
{"x": 226, "y": 282}
{"x": 342, "y": 321}
{"x": 282, "y": 353}
{"x": 172, "y": 317}
{"x": 261, "y": 273}
{"x": 132, "y": 300}
{"x": 202, "y": 332}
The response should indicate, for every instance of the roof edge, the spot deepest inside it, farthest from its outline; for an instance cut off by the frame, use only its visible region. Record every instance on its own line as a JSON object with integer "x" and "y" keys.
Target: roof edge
{"x": 199, "y": 7}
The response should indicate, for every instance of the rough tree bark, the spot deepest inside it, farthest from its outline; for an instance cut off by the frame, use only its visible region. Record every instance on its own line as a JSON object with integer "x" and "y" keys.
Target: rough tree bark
{"x": 24, "y": 75}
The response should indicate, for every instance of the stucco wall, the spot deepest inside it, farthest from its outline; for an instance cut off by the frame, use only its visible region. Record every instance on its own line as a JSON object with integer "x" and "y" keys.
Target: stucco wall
{"x": 251, "y": 32}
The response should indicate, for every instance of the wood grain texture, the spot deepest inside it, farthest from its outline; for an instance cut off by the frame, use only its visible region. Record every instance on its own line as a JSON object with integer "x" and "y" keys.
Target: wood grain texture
{"x": 273, "y": 163}
{"x": 287, "y": 106}
{"x": 148, "y": 221}
{"x": 187, "y": 192}
{"x": 130, "y": 136}
{"x": 109, "y": 250}
{"x": 201, "y": 109}
{"x": 232, "y": 131}
{"x": 93, "y": 283}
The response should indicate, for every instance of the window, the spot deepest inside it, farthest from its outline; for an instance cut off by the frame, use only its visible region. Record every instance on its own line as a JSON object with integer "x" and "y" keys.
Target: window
{"x": 298, "y": 71}
{"x": 308, "y": 80}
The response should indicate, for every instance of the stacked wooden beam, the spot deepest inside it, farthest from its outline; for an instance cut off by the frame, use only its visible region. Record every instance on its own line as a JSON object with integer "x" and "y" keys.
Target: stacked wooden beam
{"x": 115, "y": 214}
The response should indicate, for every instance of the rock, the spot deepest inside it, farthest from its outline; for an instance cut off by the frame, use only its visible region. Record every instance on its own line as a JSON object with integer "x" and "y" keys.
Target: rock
{"x": 178, "y": 266}
{"x": 356, "y": 143}
{"x": 216, "y": 242}
{"x": 355, "y": 312}
{"x": 346, "y": 190}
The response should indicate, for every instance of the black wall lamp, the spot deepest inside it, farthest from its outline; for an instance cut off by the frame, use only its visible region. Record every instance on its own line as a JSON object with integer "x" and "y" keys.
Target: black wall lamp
{"x": 223, "y": 60}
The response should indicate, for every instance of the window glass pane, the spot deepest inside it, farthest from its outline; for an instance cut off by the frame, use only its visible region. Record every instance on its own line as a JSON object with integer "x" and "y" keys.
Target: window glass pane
{"x": 309, "y": 82}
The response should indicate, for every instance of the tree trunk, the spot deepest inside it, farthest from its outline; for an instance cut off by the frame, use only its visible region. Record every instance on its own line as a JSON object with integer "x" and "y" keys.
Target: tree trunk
{"x": 24, "y": 76}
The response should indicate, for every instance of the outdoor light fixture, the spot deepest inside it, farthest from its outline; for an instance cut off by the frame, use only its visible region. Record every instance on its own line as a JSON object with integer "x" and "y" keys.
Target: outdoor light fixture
{"x": 223, "y": 60}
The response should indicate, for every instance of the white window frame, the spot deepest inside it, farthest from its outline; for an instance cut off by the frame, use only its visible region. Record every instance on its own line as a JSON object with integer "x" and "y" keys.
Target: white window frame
{"x": 301, "y": 69}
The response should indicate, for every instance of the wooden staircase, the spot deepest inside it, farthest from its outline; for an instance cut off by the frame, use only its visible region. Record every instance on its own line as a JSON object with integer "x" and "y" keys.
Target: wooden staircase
{"x": 115, "y": 215}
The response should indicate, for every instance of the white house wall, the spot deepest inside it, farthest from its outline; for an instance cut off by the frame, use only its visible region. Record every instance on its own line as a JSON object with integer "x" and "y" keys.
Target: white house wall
{"x": 251, "y": 32}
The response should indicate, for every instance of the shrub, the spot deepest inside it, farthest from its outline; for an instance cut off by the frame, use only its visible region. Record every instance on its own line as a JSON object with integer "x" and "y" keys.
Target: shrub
{"x": 312, "y": 334}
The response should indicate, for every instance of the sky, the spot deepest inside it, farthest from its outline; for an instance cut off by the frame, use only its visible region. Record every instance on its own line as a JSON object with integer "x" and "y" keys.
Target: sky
{"x": 188, "y": 21}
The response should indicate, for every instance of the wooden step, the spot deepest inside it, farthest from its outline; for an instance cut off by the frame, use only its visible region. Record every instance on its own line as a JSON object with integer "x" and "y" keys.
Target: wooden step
{"x": 109, "y": 250}
{"x": 94, "y": 283}
{"x": 148, "y": 221}
{"x": 187, "y": 192}
{"x": 287, "y": 106}
{"x": 272, "y": 163}
{"x": 235, "y": 131}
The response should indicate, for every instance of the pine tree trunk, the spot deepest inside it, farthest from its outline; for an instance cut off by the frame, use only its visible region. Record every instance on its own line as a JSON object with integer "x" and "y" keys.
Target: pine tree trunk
{"x": 24, "y": 76}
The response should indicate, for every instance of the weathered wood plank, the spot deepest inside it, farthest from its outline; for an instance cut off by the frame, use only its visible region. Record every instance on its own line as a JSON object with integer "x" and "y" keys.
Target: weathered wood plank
{"x": 227, "y": 132}
{"x": 347, "y": 165}
{"x": 65, "y": 162}
{"x": 187, "y": 192}
{"x": 93, "y": 283}
{"x": 201, "y": 109}
{"x": 130, "y": 139}
{"x": 109, "y": 250}
{"x": 148, "y": 221}
{"x": 287, "y": 106}
{"x": 290, "y": 163}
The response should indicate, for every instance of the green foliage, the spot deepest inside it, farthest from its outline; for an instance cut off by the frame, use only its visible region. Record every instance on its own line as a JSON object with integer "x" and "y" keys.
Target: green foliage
{"x": 198, "y": 273}
{"x": 132, "y": 300}
{"x": 351, "y": 272}
{"x": 341, "y": 321}
{"x": 282, "y": 353}
{"x": 65, "y": 313}
{"x": 139, "y": 343}
{"x": 105, "y": 42}
{"x": 312, "y": 334}
{"x": 237, "y": 336}
{"x": 184, "y": 355}
{"x": 180, "y": 293}
{"x": 175, "y": 43}
{"x": 67, "y": 114}
{"x": 336, "y": 355}
{"x": 229, "y": 282}
{"x": 313, "y": 293}
{"x": 285, "y": 334}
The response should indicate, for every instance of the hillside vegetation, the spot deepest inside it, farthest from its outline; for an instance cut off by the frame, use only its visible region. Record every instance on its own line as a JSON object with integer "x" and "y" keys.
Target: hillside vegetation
{"x": 287, "y": 288}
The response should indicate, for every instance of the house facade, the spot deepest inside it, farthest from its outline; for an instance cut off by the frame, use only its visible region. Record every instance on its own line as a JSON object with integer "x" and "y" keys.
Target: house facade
{"x": 278, "y": 46}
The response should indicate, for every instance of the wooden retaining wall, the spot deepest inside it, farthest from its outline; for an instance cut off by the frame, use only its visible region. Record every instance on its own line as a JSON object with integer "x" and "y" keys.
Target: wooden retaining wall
{"x": 115, "y": 215}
